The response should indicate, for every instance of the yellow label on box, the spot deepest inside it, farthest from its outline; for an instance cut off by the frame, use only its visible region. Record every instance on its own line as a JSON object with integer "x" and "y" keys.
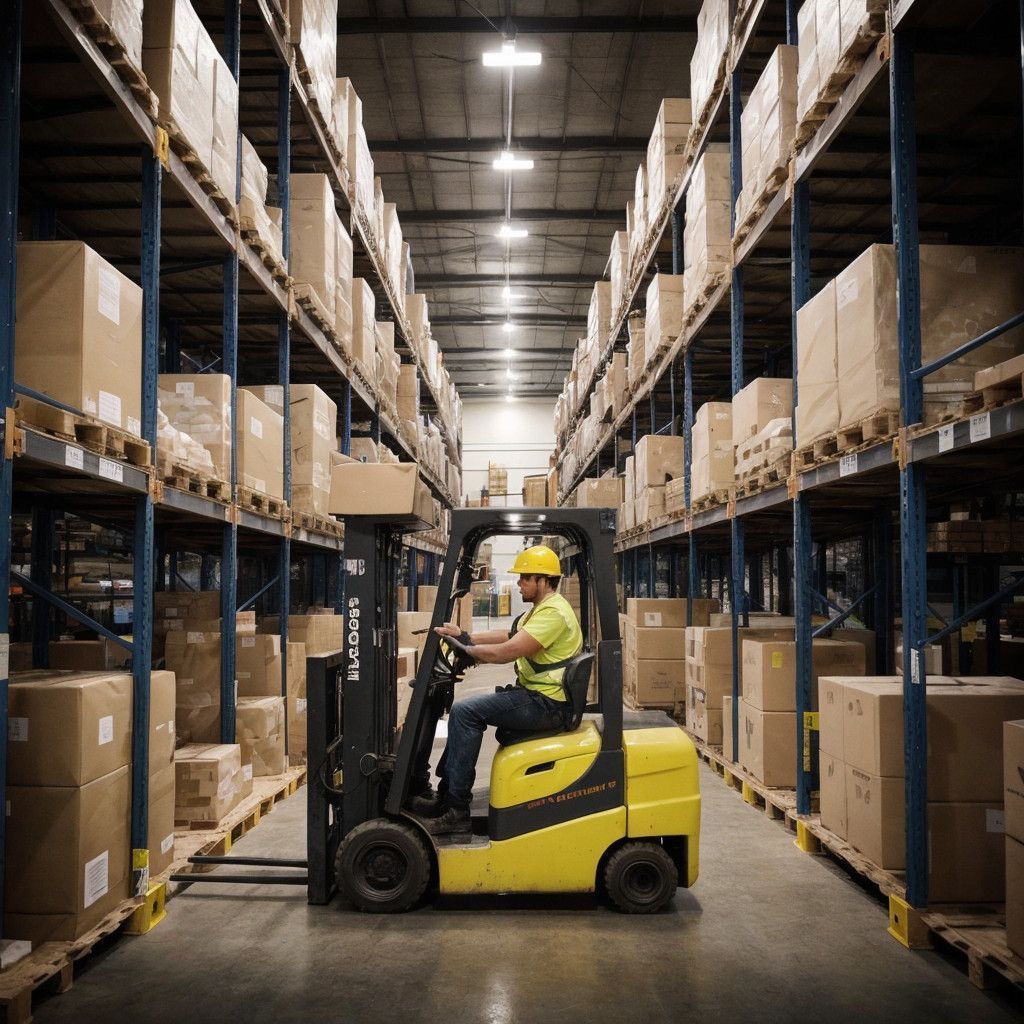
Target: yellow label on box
{"x": 776, "y": 659}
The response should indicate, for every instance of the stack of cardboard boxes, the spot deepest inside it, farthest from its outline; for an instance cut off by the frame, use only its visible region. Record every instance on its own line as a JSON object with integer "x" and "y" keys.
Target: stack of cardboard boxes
{"x": 607, "y": 492}
{"x": 657, "y": 459}
{"x": 254, "y": 215}
{"x": 762, "y": 427}
{"x": 314, "y": 33}
{"x": 711, "y": 450}
{"x": 1013, "y": 812}
{"x": 665, "y": 162}
{"x": 863, "y": 782}
{"x": 618, "y": 268}
{"x": 663, "y": 320}
{"x": 707, "y": 66}
{"x": 707, "y": 235}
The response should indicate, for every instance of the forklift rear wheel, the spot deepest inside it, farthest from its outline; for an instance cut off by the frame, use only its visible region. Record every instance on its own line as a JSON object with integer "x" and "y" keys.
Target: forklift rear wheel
{"x": 640, "y": 878}
{"x": 382, "y": 867}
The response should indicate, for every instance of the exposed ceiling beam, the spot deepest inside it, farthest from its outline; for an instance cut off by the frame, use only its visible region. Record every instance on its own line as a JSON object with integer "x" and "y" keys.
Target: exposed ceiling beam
{"x": 536, "y": 144}
{"x": 497, "y": 216}
{"x": 516, "y": 26}
{"x": 483, "y": 280}
{"x": 523, "y": 355}
{"x": 520, "y": 320}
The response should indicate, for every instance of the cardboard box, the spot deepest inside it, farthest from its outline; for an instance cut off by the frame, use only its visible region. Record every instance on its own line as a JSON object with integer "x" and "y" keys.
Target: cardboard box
{"x": 1015, "y": 895}
{"x": 260, "y": 732}
{"x": 662, "y": 644}
{"x": 535, "y": 491}
{"x": 769, "y": 670}
{"x": 1013, "y": 780}
{"x": 426, "y": 598}
{"x": 68, "y": 856}
{"x": 320, "y": 632}
{"x": 260, "y": 446}
{"x": 604, "y": 493}
{"x": 313, "y": 245}
{"x": 194, "y": 658}
{"x": 101, "y": 655}
{"x": 407, "y": 661}
{"x": 209, "y": 781}
{"x": 297, "y": 704}
{"x": 832, "y": 790}
{"x": 873, "y": 727}
{"x": 162, "y": 731}
{"x": 161, "y": 819}
{"x": 409, "y": 626}
{"x": 655, "y": 613}
{"x": 403, "y": 691}
{"x": 665, "y": 156}
{"x": 78, "y": 335}
{"x": 768, "y": 745}
{"x": 364, "y": 489}
{"x": 707, "y": 232}
{"x": 761, "y": 401}
{"x": 709, "y": 657}
{"x": 704, "y": 722}
{"x": 657, "y": 458}
{"x": 364, "y": 326}
{"x": 649, "y": 504}
{"x": 831, "y": 712}
{"x": 67, "y": 728}
{"x": 199, "y": 404}
{"x": 663, "y": 322}
{"x": 817, "y": 411}
{"x": 258, "y": 666}
{"x": 876, "y": 811}
{"x": 659, "y": 682}
{"x": 727, "y": 731}
{"x": 966, "y": 853}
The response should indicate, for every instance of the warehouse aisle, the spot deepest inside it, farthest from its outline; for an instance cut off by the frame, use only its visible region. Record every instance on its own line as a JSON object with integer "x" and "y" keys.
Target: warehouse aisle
{"x": 768, "y": 933}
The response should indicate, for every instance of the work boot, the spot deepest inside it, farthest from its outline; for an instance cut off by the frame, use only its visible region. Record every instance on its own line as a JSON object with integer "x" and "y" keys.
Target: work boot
{"x": 451, "y": 821}
{"x": 426, "y": 803}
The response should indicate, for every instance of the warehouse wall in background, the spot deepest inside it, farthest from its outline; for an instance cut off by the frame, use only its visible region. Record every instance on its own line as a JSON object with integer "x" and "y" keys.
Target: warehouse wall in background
{"x": 519, "y": 435}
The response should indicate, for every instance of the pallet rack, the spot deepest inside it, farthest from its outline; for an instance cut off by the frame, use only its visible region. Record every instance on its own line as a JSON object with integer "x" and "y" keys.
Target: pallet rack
{"x": 85, "y": 157}
{"x": 875, "y": 169}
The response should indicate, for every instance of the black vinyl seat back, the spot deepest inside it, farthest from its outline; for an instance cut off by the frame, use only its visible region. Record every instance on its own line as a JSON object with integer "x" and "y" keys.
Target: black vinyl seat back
{"x": 575, "y": 682}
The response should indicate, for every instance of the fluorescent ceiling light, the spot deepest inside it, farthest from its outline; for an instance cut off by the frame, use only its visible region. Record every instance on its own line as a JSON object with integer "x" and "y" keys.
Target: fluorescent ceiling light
{"x": 509, "y": 374}
{"x": 507, "y": 231}
{"x": 509, "y": 57}
{"x": 508, "y": 327}
{"x": 510, "y": 162}
{"x": 507, "y": 294}
{"x": 510, "y": 352}
{"x": 481, "y": 385}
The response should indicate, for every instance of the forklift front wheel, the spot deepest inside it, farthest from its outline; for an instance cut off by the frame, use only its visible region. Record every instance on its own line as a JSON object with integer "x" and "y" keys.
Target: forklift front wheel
{"x": 640, "y": 878}
{"x": 382, "y": 867}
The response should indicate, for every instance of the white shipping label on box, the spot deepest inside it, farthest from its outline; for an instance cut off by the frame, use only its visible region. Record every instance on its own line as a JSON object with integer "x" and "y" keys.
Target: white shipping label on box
{"x": 109, "y": 299}
{"x": 248, "y": 641}
{"x": 111, "y": 470}
{"x": 259, "y": 484}
{"x": 106, "y": 730}
{"x": 195, "y": 638}
{"x": 255, "y": 427}
{"x": 652, "y": 619}
{"x": 97, "y": 872}
{"x": 167, "y": 843}
{"x": 186, "y": 389}
{"x": 17, "y": 730}
{"x": 74, "y": 457}
{"x": 110, "y": 408}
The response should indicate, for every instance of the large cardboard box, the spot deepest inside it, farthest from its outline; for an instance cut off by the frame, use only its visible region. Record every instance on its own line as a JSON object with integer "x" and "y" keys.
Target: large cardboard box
{"x": 260, "y": 732}
{"x": 313, "y": 245}
{"x": 665, "y": 158}
{"x": 817, "y": 410}
{"x": 704, "y": 722}
{"x": 604, "y": 493}
{"x": 709, "y": 53}
{"x": 296, "y": 712}
{"x": 876, "y": 811}
{"x": 365, "y": 489}
{"x": 67, "y": 728}
{"x": 1013, "y": 780}
{"x": 832, "y": 790}
{"x": 831, "y": 712}
{"x": 769, "y": 669}
{"x": 260, "y": 446}
{"x": 768, "y": 745}
{"x": 727, "y": 732}
{"x": 199, "y": 404}
{"x": 209, "y": 781}
{"x": 68, "y": 860}
{"x": 663, "y": 321}
{"x": 707, "y": 233}
{"x": 125, "y": 18}
{"x": 258, "y": 665}
{"x": 162, "y": 730}
{"x": 321, "y": 632}
{"x": 194, "y": 658}
{"x": 655, "y": 613}
{"x": 659, "y": 682}
{"x": 713, "y": 455}
{"x": 709, "y": 657}
{"x": 161, "y": 819}
{"x": 314, "y": 32}
{"x": 101, "y": 655}
{"x": 364, "y": 327}
{"x": 761, "y": 401}
{"x": 78, "y": 334}
{"x": 657, "y": 459}
{"x": 966, "y": 852}
{"x": 873, "y": 727}
{"x": 662, "y": 644}
{"x": 1015, "y": 895}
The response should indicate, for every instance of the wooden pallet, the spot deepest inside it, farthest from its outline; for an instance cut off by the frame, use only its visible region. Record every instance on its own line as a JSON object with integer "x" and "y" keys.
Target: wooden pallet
{"x": 775, "y": 180}
{"x": 51, "y": 966}
{"x": 263, "y": 504}
{"x": 830, "y": 93}
{"x": 102, "y": 438}
{"x": 880, "y": 426}
{"x": 711, "y": 500}
{"x": 698, "y": 127}
{"x": 268, "y": 257}
{"x": 185, "y": 478}
{"x": 707, "y": 288}
{"x": 307, "y": 298}
{"x": 765, "y": 477}
{"x": 110, "y": 44}
{"x": 197, "y": 168}
{"x": 317, "y": 523}
{"x": 986, "y": 399}
{"x": 823, "y": 450}
{"x": 307, "y": 81}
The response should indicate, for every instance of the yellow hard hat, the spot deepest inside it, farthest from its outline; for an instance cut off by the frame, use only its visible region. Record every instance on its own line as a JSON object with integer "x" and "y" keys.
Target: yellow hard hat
{"x": 539, "y": 560}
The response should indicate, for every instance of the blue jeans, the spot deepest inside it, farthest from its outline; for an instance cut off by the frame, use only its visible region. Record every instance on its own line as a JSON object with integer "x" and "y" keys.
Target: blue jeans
{"x": 518, "y": 709}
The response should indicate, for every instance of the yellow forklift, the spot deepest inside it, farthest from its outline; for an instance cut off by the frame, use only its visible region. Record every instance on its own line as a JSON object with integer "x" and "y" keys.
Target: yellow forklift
{"x": 612, "y": 804}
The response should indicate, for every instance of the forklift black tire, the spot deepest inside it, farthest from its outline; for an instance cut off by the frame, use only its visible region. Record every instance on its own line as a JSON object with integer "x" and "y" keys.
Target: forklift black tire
{"x": 640, "y": 878}
{"x": 382, "y": 867}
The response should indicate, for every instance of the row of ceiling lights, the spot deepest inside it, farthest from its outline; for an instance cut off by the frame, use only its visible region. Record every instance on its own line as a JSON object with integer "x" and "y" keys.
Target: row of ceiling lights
{"x": 509, "y": 57}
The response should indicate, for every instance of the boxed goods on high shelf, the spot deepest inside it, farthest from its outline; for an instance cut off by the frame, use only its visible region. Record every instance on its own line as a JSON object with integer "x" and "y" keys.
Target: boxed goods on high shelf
{"x": 618, "y": 262}
{"x": 606, "y": 492}
{"x": 197, "y": 408}
{"x": 707, "y": 234}
{"x": 832, "y": 36}
{"x": 636, "y": 325}
{"x": 124, "y": 20}
{"x": 598, "y": 325}
{"x": 768, "y": 128}
{"x": 656, "y": 460}
{"x": 663, "y": 319}
{"x": 388, "y": 363}
{"x": 497, "y": 478}
{"x": 78, "y": 336}
{"x": 535, "y": 491}
{"x": 260, "y": 222}
{"x": 1013, "y": 809}
{"x": 665, "y": 158}
{"x": 638, "y": 228}
{"x": 847, "y": 347}
{"x": 198, "y": 94}
{"x": 863, "y": 785}
{"x": 707, "y": 67}
{"x": 364, "y": 329}
{"x": 1002, "y": 381}
{"x": 314, "y": 33}
{"x": 711, "y": 450}
{"x": 358, "y": 160}
{"x": 762, "y": 428}
{"x": 260, "y": 446}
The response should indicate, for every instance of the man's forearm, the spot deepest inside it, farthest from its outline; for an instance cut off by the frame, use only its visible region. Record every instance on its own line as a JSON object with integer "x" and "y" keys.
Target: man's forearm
{"x": 492, "y": 653}
{"x": 493, "y": 636}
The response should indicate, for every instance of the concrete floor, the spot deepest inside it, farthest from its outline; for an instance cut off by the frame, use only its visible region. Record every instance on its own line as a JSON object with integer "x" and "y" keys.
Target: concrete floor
{"x": 767, "y": 934}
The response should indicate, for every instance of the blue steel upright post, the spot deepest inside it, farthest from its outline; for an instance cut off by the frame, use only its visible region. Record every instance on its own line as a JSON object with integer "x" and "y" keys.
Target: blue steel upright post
{"x": 229, "y": 545}
{"x": 903, "y": 143}
{"x": 737, "y": 590}
{"x": 10, "y": 135}
{"x": 284, "y": 349}
{"x": 143, "y": 567}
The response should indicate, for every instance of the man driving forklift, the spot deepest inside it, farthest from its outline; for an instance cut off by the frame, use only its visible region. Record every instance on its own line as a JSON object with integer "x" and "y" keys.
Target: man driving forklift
{"x": 541, "y": 642}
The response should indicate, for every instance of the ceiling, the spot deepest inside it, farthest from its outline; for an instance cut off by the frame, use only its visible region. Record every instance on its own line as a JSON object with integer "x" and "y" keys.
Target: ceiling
{"x": 436, "y": 118}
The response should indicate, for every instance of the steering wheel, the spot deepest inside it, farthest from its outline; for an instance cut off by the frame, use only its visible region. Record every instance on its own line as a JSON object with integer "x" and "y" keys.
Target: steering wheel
{"x": 452, "y": 659}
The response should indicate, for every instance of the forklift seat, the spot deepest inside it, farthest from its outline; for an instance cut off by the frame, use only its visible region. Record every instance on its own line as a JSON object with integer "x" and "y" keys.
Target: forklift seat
{"x": 575, "y": 682}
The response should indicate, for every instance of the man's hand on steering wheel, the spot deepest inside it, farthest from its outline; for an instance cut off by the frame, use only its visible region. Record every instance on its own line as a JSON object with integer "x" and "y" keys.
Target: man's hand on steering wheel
{"x": 449, "y": 629}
